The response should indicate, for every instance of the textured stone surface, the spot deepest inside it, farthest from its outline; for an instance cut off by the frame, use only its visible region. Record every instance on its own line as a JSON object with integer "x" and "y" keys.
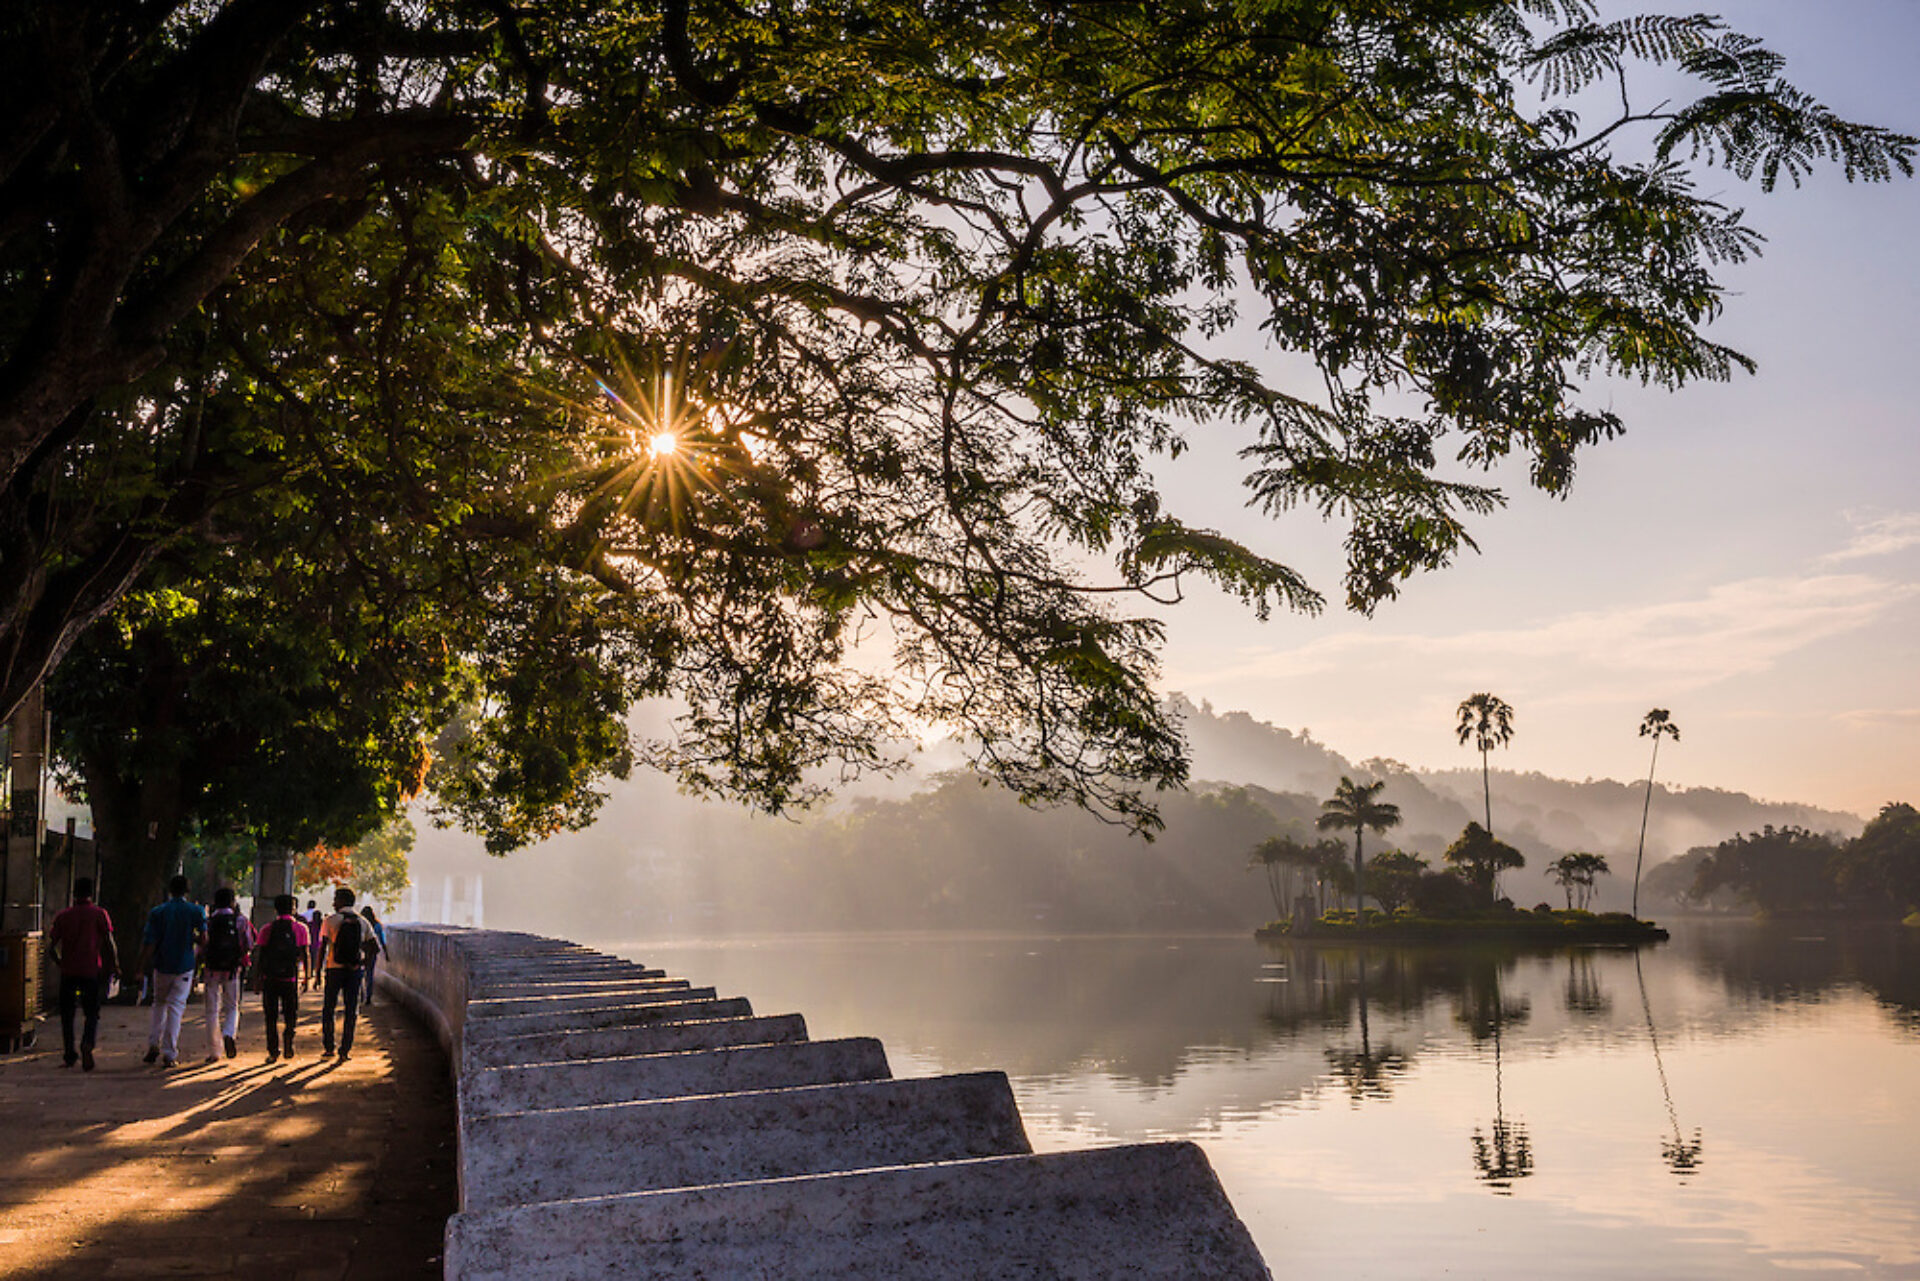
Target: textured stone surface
{"x": 529, "y": 1047}
{"x": 663, "y": 1076}
{"x": 613, "y": 1011}
{"x": 523, "y": 1157}
{"x": 493, "y": 1006}
{"x": 494, "y": 990}
{"x": 620, "y": 1042}
{"x": 1149, "y": 1211}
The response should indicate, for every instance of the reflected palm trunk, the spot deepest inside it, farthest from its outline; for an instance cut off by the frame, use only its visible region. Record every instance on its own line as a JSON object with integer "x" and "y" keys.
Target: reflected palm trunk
{"x": 1366, "y": 1073}
{"x": 1503, "y": 1156}
{"x": 1681, "y": 1154}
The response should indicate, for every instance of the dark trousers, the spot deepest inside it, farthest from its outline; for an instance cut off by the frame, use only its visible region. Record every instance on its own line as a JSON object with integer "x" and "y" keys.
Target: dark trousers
{"x": 280, "y": 1002}
{"x": 82, "y": 993}
{"x": 341, "y": 982}
{"x": 366, "y": 980}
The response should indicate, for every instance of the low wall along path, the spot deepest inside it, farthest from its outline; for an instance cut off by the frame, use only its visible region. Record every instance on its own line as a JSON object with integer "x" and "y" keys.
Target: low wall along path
{"x": 614, "y": 1121}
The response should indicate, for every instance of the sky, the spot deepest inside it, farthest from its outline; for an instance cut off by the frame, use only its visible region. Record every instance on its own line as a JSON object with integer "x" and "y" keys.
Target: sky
{"x": 1746, "y": 556}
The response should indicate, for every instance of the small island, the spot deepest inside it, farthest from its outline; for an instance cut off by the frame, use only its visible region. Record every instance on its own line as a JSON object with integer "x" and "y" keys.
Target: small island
{"x": 1461, "y": 903}
{"x": 1551, "y": 927}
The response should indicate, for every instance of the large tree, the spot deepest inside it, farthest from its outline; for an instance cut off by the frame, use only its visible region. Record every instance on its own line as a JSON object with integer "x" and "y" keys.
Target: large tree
{"x": 1481, "y": 857}
{"x": 1357, "y": 806}
{"x": 1486, "y": 721}
{"x": 1656, "y": 724}
{"x": 919, "y": 291}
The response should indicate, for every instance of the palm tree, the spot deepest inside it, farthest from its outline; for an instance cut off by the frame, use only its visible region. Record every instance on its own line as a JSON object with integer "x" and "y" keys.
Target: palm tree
{"x": 1577, "y": 870}
{"x": 1357, "y": 805}
{"x": 1655, "y": 724}
{"x": 1486, "y": 721}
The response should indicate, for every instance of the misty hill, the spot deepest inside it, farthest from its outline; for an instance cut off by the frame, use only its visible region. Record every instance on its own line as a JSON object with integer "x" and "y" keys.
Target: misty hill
{"x": 1538, "y": 814}
{"x": 942, "y": 851}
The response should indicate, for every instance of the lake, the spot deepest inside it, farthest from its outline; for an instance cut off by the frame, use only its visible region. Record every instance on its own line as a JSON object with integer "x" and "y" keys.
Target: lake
{"x": 1743, "y": 1101}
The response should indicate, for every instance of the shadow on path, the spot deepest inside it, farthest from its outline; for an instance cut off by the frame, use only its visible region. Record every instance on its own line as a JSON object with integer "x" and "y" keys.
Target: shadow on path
{"x": 305, "y": 1169}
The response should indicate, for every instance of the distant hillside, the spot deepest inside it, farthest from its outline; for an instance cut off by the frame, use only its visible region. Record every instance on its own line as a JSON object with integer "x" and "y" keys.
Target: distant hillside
{"x": 1544, "y": 817}
{"x": 942, "y": 851}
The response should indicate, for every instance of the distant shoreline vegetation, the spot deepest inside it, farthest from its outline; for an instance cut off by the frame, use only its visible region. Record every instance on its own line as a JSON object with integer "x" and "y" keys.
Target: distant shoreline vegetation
{"x": 1553, "y": 926}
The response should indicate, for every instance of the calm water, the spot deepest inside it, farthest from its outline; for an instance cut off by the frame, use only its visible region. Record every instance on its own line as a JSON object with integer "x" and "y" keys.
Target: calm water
{"x": 1740, "y": 1102}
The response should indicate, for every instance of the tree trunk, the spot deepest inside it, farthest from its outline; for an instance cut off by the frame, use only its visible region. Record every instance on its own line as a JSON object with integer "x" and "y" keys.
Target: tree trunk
{"x": 1646, "y": 808}
{"x": 136, "y": 829}
{"x": 1486, "y": 789}
{"x": 1357, "y": 899}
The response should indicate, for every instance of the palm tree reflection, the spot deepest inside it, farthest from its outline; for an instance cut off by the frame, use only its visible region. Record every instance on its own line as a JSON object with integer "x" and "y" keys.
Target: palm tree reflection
{"x": 1681, "y": 1154}
{"x": 1502, "y": 1155}
{"x": 1367, "y": 1072}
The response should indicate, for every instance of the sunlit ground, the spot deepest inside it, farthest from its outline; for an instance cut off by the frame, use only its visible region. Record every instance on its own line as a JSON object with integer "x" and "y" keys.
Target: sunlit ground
{"x": 226, "y": 1169}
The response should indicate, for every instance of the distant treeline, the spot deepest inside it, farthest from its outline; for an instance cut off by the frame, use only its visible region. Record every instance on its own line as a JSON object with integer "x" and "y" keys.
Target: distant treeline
{"x": 1787, "y": 870}
{"x": 946, "y": 852}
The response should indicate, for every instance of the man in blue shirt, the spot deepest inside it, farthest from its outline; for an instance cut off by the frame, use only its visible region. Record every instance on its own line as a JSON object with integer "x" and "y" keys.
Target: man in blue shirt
{"x": 171, "y": 944}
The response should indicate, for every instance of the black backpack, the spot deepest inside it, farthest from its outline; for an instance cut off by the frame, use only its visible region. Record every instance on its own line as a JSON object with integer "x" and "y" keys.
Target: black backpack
{"x": 225, "y": 951}
{"x": 346, "y": 942}
{"x": 280, "y": 952}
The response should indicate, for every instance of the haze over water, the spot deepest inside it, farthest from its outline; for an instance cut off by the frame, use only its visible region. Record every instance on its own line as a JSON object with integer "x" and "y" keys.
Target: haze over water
{"x": 1744, "y": 1101}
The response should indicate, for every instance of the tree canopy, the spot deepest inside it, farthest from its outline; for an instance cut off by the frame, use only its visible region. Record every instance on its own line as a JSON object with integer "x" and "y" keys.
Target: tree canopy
{"x": 919, "y": 292}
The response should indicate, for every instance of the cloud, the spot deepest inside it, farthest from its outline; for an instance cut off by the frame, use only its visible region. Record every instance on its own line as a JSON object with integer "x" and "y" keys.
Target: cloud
{"x": 1866, "y": 717}
{"x": 1734, "y": 629}
{"x": 1878, "y": 536}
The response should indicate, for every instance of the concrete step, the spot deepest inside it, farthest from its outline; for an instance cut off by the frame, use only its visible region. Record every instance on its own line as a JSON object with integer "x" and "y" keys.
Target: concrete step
{"x": 699, "y": 1033}
{"x": 509, "y": 1047}
{"x": 492, "y": 1006}
{"x": 1149, "y": 1211}
{"x": 613, "y": 1011}
{"x": 516, "y": 970}
{"x": 522, "y": 1157}
{"x": 572, "y": 986}
{"x": 587, "y": 1082}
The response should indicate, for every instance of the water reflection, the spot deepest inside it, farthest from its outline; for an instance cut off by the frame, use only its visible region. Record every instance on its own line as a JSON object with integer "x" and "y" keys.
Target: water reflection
{"x": 1681, "y": 1154}
{"x": 1505, "y": 1155}
{"x": 1333, "y": 1088}
{"x": 1366, "y": 1073}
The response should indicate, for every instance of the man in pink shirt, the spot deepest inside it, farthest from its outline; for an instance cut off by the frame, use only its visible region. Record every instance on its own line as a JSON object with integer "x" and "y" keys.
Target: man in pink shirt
{"x": 82, "y": 942}
{"x": 280, "y": 952}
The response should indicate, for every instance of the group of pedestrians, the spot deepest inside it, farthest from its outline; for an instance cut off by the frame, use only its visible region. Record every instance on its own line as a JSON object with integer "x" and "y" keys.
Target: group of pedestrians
{"x": 182, "y": 939}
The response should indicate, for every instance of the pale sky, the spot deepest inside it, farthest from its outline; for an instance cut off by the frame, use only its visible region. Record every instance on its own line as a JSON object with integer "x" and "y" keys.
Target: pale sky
{"x": 1747, "y": 556}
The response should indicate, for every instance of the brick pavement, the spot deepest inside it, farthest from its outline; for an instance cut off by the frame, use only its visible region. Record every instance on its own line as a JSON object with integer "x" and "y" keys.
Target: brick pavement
{"x": 308, "y": 1170}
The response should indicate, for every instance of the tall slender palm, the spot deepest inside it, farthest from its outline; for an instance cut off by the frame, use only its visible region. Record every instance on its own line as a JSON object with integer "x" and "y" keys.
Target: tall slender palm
{"x": 1357, "y": 805}
{"x": 1487, "y": 722}
{"x": 1655, "y": 725}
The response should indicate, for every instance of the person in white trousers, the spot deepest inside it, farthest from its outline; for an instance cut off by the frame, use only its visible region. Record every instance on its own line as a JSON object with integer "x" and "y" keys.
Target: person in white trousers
{"x": 223, "y": 959}
{"x": 175, "y": 931}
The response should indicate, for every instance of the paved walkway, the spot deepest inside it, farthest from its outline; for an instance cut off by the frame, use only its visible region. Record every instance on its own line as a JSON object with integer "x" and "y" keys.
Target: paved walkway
{"x": 308, "y": 1170}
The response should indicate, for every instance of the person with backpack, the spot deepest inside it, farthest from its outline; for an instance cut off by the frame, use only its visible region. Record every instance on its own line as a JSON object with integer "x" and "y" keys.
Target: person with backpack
{"x": 222, "y": 959}
{"x": 280, "y": 959}
{"x": 343, "y": 938}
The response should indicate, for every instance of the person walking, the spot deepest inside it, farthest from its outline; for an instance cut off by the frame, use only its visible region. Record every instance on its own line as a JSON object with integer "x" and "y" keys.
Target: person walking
{"x": 229, "y": 942}
{"x": 81, "y": 937}
{"x": 373, "y": 951}
{"x": 280, "y": 958}
{"x": 313, "y": 917}
{"x": 175, "y": 930}
{"x": 342, "y": 937}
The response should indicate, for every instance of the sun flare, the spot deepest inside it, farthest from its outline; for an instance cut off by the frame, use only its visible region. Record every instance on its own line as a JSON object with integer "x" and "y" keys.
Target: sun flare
{"x": 663, "y": 444}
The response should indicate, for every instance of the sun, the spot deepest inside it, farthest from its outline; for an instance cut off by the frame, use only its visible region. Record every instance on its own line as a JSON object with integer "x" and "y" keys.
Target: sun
{"x": 663, "y": 444}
